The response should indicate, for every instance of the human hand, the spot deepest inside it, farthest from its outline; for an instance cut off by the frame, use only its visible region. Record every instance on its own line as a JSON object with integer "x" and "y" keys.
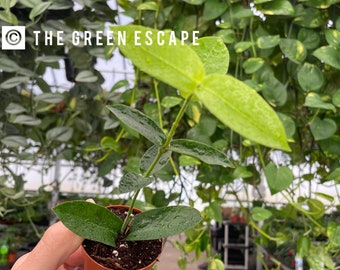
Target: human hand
{"x": 57, "y": 249}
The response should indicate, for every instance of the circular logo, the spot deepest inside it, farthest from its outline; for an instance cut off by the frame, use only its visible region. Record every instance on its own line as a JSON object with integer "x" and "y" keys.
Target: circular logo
{"x": 13, "y": 37}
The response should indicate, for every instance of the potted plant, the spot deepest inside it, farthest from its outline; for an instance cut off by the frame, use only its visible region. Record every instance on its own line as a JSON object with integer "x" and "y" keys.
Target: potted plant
{"x": 194, "y": 72}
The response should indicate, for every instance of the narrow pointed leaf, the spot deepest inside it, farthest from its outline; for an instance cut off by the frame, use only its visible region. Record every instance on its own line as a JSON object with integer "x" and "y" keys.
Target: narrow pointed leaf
{"x": 90, "y": 221}
{"x": 161, "y": 55}
{"x": 163, "y": 222}
{"x": 27, "y": 120}
{"x": 149, "y": 157}
{"x": 133, "y": 181}
{"x": 60, "y": 134}
{"x": 201, "y": 151}
{"x": 243, "y": 110}
{"x": 139, "y": 122}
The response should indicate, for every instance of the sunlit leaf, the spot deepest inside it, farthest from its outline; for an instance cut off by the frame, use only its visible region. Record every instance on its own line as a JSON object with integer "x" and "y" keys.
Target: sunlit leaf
{"x": 177, "y": 64}
{"x": 243, "y": 110}
{"x": 213, "y": 53}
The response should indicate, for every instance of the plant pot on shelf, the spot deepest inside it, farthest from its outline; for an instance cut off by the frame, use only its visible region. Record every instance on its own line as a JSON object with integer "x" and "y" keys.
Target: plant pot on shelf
{"x": 129, "y": 255}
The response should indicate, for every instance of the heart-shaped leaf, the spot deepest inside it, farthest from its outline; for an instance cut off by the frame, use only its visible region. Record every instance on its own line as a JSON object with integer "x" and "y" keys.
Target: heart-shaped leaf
{"x": 310, "y": 77}
{"x": 278, "y": 178}
{"x": 139, "y": 122}
{"x": 329, "y": 55}
{"x": 323, "y": 128}
{"x": 163, "y": 222}
{"x": 90, "y": 221}
{"x": 314, "y": 100}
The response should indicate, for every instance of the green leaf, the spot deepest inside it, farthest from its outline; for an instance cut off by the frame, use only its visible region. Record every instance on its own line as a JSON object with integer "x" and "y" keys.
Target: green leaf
{"x": 310, "y": 18}
{"x": 303, "y": 246}
{"x": 148, "y": 6}
{"x": 310, "y": 77}
{"x": 260, "y": 214}
{"x": 252, "y": 65}
{"x": 242, "y": 46}
{"x": 8, "y": 65}
{"x": 267, "y": 42}
{"x": 171, "y": 101}
{"x": 14, "y": 141}
{"x": 163, "y": 222}
{"x": 323, "y": 128}
{"x": 86, "y": 76}
{"x": 213, "y": 9}
{"x": 109, "y": 143}
{"x": 139, "y": 122}
{"x": 26, "y": 120}
{"x": 50, "y": 98}
{"x": 293, "y": 49}
{"x": 278, "y": 178}
{"x": 14, "y": 108}
{"x": 60, "y": 134}
{"x": 30, "y": 3}
{"x": 213, "y": 54}
{"x": 7, "y": 16}
{"x": 132, "y": 181}
{"x": 288, "y": 124}
{"x": 7, "y": 4}
{"x": 309, "y": 38}
{"x": 333, "y": 37}
{"x": 243, "y": 110}
{"x": 333, "y": 233}
{"x": 49, "y": 59}
{"x": 336, "y": 98}
{"x": 13, "y": 82}
{"x": 329, "y": 54}
{"x": 314, "y": 100}
{"x": 90, "y": 221}
{"x": 334, "y": 175}
{"x": 175, "y": 64}
{"x": 149, "y": 157}
{"x": 278, "y": 7}
{"x": 39, "y": 9}
{"x": 201, "y": 151}
{"x": 194, "y": 2}
{"x": 216, "y": 264}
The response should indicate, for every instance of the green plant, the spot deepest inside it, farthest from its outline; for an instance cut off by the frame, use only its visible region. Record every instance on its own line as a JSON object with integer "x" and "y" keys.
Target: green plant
{"x": 191, "y": 70}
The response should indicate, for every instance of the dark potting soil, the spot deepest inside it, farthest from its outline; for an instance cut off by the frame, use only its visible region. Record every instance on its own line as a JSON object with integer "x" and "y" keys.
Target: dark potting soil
{"x": 127, "y": 255}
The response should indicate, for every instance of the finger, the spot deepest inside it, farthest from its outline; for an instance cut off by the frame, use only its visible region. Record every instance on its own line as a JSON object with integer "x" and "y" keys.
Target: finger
{"x": 54, "y": 248}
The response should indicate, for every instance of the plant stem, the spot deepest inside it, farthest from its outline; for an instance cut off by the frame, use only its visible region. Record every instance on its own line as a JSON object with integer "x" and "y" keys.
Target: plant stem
{"x": 161, "y": 150}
